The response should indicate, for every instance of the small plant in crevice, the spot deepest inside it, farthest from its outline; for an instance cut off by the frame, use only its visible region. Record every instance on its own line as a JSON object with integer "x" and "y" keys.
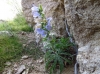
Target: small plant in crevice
{"x": 57, "y": 53}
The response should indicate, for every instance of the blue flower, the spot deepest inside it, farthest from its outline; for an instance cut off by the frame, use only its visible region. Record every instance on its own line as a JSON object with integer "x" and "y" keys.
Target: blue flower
{"x": 48, "y": 26}
{"x": 35, "y": 11}
{"x": 36, "y": 14}
{"x": 42, "y": 32}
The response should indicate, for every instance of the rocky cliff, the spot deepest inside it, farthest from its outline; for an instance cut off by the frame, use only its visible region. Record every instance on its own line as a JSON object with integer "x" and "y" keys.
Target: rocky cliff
{"x": 83, "y": 19}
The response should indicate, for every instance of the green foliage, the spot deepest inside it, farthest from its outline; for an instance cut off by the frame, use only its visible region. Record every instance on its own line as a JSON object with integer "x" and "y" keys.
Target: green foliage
{"x": 58, "y": 54}
{"x": 58, "y": 49}
{"x": 41, "y": 11}
{"x": 10, "y": 48}
{"x": 17, "y": 24}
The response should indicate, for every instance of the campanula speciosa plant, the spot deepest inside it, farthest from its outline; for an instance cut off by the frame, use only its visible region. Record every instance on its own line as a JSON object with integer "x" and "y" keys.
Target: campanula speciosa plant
{"x": 43, "y": 25}
{"x": 57, "y": 53}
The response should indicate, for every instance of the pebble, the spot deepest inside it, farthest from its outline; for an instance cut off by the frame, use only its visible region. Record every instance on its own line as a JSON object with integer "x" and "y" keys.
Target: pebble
{"x": 40, "y": 61}
{"x": 21, "y": 69}
{"x": 15, "y": 65}
{"x": 25, "y": 57}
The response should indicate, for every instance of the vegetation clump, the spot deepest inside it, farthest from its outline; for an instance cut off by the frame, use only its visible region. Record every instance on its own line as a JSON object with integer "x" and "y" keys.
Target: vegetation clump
{"x": 10, "y": 48}
{"x": 10, "y": 45}
{"x": 19, "y": 23}
{"x": 57, "y": 49}
{"x": 58, "y": 54}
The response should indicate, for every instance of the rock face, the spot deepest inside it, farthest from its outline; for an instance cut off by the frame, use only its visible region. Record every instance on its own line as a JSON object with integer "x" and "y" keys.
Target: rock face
{"x": 83, "y": 19}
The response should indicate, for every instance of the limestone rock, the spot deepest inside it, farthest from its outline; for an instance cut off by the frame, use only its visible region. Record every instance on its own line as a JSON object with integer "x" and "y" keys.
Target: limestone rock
{"x": 15, "y": 65}
{"x": 21, "y": 69}
{"x": 9, "y": 71}
{"x": 83, "y": 19}
{"x": 25, "y": 57}
{"x": 26, "y": 71}
{"x": 40, "y": 61}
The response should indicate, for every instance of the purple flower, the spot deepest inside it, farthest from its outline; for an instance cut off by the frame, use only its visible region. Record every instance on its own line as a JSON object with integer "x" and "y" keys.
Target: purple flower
{"x": 48, "y": 26}
{"x": 42, "y": 32}
{"x": 36, "y": 14}
{"x": 35, "y": 11}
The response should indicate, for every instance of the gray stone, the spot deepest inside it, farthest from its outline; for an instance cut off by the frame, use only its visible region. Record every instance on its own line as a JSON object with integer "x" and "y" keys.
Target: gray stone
{"x": 25, "y": 57}
{"x": 21, "y": 69}
{"x": 9, "y": 71}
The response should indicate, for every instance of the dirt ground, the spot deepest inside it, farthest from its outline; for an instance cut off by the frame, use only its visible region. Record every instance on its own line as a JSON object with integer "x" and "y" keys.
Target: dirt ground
{"x": 32, "y": 66}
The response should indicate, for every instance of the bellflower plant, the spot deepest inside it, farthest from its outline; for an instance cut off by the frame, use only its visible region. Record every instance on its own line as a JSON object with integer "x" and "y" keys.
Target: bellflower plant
{"x": 58, "y": 52}
{"x": 45, "y": 26}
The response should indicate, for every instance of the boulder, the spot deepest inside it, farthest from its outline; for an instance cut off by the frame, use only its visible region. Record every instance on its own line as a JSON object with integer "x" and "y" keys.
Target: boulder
{"x": 83, "y": 18}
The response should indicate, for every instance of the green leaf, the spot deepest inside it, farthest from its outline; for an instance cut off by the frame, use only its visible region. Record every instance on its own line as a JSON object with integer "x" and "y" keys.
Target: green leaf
{"x": 61, "y": 64}
{"x": 67, "y": 60}
{"x": 53, "y": 67}
{"x": 40, "y": 8}
{"x": 65, "y": 53}
{"x": 58, "y": 54}
{"x": 48, "y": 62}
